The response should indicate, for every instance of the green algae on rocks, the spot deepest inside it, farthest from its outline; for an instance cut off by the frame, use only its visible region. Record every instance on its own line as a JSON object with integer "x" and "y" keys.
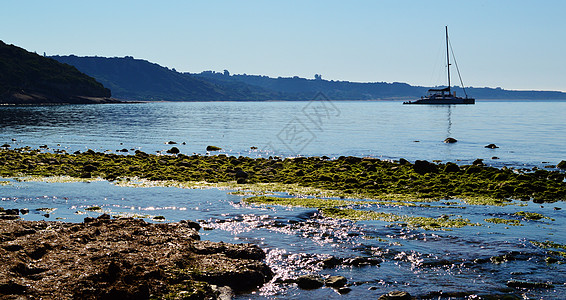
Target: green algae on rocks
{"x": 443, "y": 222}
{"x": 504, "y": 221}
{"x": 531, "y": 216}
{"x": 302, "y": 202}
{"x": 348, "y": 177}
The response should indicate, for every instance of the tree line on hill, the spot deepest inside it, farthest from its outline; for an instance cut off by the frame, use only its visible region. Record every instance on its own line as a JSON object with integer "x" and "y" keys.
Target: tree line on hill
{"x": 28, "y": 78}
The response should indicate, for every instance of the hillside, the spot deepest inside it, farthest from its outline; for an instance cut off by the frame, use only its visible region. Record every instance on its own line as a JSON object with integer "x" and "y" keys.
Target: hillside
{"x": 28, "y": 78}
{"x": 137, "y": 79}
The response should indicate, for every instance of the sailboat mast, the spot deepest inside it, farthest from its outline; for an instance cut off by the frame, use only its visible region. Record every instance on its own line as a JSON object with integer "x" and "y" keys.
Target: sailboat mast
{"x": 448, "y": 59}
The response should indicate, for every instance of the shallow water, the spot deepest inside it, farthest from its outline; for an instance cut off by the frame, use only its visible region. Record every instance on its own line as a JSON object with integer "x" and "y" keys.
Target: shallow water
{"x": 470, "y": 260}
{"x": 296, "y": 240}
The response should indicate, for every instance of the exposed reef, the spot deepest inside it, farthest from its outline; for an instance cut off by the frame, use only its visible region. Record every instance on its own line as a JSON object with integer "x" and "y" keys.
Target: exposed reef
{"x": 106, "y": 258}
{"x": 347, "y": 177}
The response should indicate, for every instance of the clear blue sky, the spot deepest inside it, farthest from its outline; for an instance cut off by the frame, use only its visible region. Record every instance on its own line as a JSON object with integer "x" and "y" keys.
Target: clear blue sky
{"x": 511, "y": 44}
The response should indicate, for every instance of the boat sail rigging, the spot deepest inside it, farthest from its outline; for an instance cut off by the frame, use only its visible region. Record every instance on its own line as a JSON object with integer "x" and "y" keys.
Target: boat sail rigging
{"x": 445, "y": 95}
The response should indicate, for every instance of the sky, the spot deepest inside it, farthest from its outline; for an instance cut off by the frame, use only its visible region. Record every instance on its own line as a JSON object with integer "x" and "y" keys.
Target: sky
{"x": 518, "y": 45}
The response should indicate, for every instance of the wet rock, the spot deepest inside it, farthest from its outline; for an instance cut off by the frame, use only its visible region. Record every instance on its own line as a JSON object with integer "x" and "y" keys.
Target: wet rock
{"x": 241, "y": 174}
{"x": 491, "y": 146}
{"x": 561, "y": 164}
{"x": 104, "y": 217}
{"x": 361, "y": 261}
{"x": 24, "y": 211}
{"x": 451, "y": 168}
{"x": 173, "y": 150}
{"x": 344, "y": 290}
{"x": 450, "y": 140}
{"x": 331, "y": 262}
{"x": 396, "y": 295}
{"x": 171, "y": 143}
{"x": 309, "y": 282}
{"x": 478, "y": 162}
{"x": 191, "y": 224}
{"x": 403, "y": 161}
{"x": 336, "y": 281}
{"x": 213, "y": 148}
{"x": 12, "y": 212}
{"x": 8, "y": 217}
{"x": 494, "y": 157}
{"x": 422, "y": 167}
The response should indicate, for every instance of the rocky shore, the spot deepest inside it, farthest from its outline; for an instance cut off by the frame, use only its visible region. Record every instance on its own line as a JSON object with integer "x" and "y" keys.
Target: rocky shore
{"x": 350, "y": 177}
{"x": 104, "y": 258}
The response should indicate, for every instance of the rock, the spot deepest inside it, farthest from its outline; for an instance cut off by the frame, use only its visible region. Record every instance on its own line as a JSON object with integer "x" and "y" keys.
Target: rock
{"x": 451, "y": 168}
{"x": 24, "y": 211}
{"x": 331, "y": 262}
{"x": 173, "y": 150}
{"x": 450, "y": 140}
{"x": 422, "y": 167}
{"x": 403, "y": 161}
{"x": 478, "y": 162}
{"x": 561, "y": 164}
{"x": 12, "y": 212}
{"x": 344, "y": 290}
{"x": 396, "y": 295}
{"x": 362, "y": 261}
{"x": 191, "y": 224}
{"x": 491, "y": 146}
{"x": 241, "y": 174}
{"x": 336, "y": 281}
{"x": 123, "y": 258}
{"x": 309, "y": 282}
{"x": 225, "y": 292}
{"x": 213, "y": 148}
{"x": 171, "y": 143}
{"x": 90, "y": 168}
{"x": 494, "y": 157}
{"x": 104, "y": 217}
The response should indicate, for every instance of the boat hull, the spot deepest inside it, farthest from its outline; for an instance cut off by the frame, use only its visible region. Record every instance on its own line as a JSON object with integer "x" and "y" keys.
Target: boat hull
{"x": 441, "y": 101}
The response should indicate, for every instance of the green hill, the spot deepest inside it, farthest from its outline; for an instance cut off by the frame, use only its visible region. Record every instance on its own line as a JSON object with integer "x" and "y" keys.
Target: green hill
{"x": 28, "y": 78}
{"x": 136, "y": 79}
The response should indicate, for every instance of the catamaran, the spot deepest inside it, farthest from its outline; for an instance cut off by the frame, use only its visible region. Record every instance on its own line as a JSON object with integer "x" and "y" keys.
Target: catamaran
{"x": 444, "y": 95}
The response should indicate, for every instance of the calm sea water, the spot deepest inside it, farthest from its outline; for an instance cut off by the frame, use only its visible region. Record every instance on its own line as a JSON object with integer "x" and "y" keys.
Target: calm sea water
{"x": 425, "y": 263}
{"x": 527, "y": 132}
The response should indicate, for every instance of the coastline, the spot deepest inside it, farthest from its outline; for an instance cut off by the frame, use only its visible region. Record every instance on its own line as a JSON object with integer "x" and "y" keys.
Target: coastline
{"x": 332, "y": 187}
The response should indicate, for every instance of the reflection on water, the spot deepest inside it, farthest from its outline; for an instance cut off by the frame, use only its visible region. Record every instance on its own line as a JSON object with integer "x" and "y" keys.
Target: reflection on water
{"x": 477, "y": 259}
{"x": 528, "y": 133}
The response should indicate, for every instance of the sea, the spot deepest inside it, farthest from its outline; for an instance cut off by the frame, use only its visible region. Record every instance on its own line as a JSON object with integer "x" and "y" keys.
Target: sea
{"x": 463, "y": 263}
